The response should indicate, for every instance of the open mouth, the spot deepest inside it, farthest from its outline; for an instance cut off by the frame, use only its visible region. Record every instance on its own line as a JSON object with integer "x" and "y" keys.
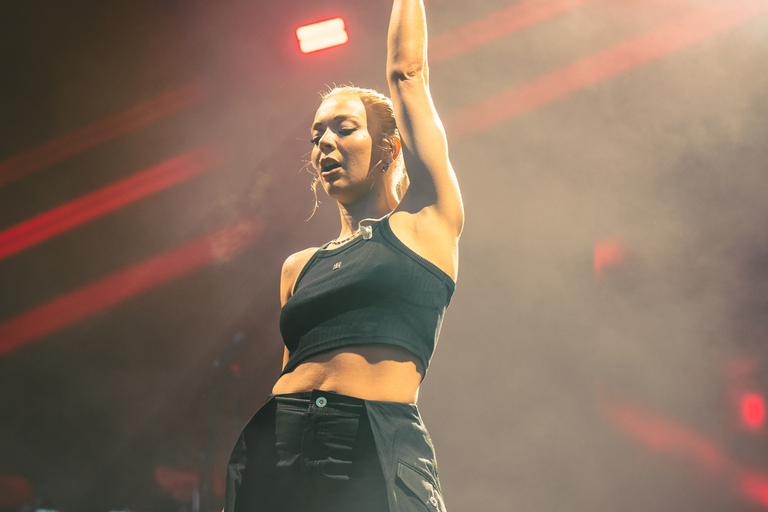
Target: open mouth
{"x": 330, "y": 169}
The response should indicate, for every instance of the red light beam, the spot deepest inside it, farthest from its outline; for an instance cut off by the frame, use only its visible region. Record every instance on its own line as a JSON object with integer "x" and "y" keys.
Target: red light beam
{"x": 93, "y": 298}
{"x": 496, "y": 25}
{"x": 664, "y": 435}
{"x": 102, "y": 201}
{"x": 111, "y": 127}
{"x": 754, "y": 485}
{"x": 603, "y": 65}
{"x": 667, "y": 436}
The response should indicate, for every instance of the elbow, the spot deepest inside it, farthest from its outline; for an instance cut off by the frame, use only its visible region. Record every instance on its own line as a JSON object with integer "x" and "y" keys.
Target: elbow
{"x": 403, "y": 72}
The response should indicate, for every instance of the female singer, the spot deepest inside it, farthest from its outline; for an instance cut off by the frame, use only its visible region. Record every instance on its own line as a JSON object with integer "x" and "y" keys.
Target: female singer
{"x": 361, "y": 314}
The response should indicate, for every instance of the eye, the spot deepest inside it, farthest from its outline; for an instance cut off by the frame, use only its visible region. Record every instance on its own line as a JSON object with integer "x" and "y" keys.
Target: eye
{"x": 316, "y": 140}
{"x": 347, "y": 131}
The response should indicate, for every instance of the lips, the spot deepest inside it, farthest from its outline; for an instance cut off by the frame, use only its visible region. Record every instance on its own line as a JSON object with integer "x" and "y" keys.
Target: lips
{"x": 329, "y": 167}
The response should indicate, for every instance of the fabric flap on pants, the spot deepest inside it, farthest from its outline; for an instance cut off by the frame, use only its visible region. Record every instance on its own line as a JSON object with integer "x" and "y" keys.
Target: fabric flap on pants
{"x": 419, "y": 483}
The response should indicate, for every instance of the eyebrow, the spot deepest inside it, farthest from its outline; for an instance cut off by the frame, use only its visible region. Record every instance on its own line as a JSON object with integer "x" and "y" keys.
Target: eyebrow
{"x": 319, "y": 125}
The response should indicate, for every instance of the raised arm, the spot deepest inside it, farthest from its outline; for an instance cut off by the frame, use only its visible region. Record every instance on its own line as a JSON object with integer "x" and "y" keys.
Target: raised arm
{"x": 433, "y": 187}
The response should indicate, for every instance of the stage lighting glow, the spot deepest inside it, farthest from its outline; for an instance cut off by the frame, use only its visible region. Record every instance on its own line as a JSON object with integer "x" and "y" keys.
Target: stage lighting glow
{"x": 109, "y": 128}
{"x": 607, "y": 254}
{"x": 66, "y": 310}
{"x": 105, "y": 200}
{"x": 603, "y": 65}
{"x": 321, "y": 35}
{"x": 753, "y": 411}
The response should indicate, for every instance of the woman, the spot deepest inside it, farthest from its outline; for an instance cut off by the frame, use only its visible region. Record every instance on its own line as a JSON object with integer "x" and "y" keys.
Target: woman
{"x": 361, "y": 314}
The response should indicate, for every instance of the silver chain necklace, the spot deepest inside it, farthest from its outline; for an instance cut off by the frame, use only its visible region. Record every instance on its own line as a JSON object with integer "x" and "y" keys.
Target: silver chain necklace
{"x": 366, "y": 231}
{"x": 345, "y": 239}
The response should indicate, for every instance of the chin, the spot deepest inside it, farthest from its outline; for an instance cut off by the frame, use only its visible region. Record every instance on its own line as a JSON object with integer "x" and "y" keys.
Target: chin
{"x": 344, "y": 192}
{"x": 340, "y": 196}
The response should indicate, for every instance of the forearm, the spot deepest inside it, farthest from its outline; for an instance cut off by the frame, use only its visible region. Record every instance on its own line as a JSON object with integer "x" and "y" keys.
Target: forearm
{"x": 407, "y": 41}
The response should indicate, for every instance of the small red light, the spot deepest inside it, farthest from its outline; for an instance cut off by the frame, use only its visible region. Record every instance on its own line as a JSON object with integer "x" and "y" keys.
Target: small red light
{"x": 752, "y": 407}
{"x": 607, "y": 254}
{"x": 321, "y": 35}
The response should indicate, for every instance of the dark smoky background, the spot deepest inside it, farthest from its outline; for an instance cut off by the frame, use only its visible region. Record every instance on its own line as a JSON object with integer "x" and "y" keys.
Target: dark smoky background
{"x": 610, "y": 312}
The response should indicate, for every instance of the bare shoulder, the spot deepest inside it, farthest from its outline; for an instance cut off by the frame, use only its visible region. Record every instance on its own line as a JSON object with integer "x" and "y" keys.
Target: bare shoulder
{"x": 291, "y": 270}
{"x": 431, "y": 236}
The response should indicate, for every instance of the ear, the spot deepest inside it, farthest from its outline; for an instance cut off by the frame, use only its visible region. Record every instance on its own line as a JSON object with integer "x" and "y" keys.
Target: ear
{"x": 396, "y": 145}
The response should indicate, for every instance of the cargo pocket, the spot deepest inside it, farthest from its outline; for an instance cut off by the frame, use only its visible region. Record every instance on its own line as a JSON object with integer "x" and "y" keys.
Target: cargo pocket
{"x": 333, "y": 444}
{"x": 417, "y": 483}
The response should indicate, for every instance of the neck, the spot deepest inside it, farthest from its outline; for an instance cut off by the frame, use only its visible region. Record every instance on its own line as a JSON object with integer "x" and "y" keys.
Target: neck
{"x": 370, "y": 207}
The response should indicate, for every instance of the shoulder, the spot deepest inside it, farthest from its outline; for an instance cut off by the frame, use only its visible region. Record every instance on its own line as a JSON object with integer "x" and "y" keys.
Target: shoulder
{"x": 297, "y": 260}
{"x": 291, "y": 270}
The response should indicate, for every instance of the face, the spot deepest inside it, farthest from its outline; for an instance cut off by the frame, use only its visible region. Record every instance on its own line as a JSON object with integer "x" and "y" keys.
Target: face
{"x": 343, "y": 151}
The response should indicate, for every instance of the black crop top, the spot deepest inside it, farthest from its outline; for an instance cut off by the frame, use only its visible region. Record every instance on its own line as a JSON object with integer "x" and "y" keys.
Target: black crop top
{"x": 367, "y": 291}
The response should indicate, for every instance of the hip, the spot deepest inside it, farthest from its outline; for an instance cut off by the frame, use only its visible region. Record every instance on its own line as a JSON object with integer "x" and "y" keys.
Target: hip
{"x": 337, "y": 450}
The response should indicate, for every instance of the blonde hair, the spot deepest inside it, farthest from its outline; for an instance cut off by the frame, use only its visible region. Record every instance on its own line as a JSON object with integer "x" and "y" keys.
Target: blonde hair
{"x": 378, "y": 108}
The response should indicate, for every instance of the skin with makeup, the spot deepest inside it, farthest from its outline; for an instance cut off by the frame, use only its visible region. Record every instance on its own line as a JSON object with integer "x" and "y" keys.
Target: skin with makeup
{"x": 360, "y": 162}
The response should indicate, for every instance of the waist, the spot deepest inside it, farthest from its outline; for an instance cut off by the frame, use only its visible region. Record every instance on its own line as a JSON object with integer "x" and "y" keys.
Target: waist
{"x": 370, "y": 372}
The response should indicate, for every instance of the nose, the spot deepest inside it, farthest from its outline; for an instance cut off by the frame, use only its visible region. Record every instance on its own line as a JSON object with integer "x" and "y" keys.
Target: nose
{"x": 326, "y": 140}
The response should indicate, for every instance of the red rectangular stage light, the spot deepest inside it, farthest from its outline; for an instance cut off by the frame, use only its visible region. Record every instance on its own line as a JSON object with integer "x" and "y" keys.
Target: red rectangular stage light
{"x": 321, "y": 35}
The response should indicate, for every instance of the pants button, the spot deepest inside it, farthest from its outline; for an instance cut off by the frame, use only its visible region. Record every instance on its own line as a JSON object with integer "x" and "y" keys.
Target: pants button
{"x": 321, "y": 401}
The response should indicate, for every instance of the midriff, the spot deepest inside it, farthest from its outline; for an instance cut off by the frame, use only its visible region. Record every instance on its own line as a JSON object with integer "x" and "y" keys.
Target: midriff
{"x": 371, "y": 372}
